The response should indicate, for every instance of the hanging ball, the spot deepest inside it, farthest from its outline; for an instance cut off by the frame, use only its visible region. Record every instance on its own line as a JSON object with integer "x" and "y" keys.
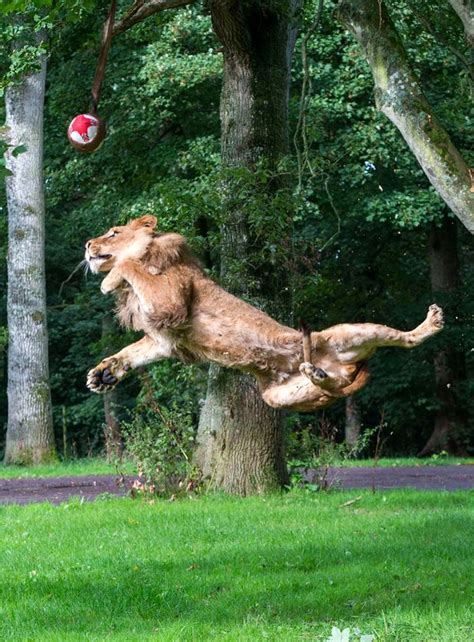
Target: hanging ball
{"x": 86, "y": 132}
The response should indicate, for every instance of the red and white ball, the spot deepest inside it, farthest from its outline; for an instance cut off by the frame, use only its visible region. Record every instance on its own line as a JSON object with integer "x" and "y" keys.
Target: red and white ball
{"x": 86, "y": 132}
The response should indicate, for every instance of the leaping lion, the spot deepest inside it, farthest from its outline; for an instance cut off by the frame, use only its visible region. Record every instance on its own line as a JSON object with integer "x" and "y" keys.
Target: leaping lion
{"x": 162, "y": 290}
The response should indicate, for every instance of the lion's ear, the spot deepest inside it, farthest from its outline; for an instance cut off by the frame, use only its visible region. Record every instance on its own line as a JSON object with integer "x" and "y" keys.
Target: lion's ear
{"x": 144, "y": 221}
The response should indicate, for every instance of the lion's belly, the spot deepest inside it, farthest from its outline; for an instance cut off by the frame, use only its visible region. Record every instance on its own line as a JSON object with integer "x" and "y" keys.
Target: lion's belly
{"x": 240, "y": 344}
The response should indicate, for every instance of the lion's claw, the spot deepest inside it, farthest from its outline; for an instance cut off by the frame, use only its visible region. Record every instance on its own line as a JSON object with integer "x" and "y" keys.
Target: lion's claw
{"x": 98, "y": 381}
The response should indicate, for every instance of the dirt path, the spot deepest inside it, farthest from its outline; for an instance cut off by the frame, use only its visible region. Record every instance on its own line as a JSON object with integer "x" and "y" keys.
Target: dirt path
{"x": 60, "y": 489}
{"x": 419, "y": 477}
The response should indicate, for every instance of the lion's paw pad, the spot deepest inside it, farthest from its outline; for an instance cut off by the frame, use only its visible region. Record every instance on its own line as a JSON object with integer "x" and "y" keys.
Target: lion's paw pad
{"x": 312, "y": 372}
{"x": 102, "y": 378}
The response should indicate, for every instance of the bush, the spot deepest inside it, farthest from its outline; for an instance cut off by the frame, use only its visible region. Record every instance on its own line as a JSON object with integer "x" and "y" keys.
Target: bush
{"x": 160, "y": 441}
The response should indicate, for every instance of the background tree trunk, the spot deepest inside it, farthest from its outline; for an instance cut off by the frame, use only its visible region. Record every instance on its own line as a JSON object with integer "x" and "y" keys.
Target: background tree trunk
{"x": 30, "y": 436}
{"x": 352, "y": 425}
{"x": 465, "y": 11}
{"x": 450, "y": 363}
{"x": 399, "y": 96}
{"x": 112, "y": 432}
{"x": 240, "y": 439}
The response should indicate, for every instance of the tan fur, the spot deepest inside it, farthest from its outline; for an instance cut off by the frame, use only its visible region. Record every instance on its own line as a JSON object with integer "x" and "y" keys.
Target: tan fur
{"x": 162, "y": 290}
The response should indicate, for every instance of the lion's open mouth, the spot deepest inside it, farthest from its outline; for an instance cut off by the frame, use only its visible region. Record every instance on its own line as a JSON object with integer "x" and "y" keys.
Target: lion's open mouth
{"x": 102, "y": 257}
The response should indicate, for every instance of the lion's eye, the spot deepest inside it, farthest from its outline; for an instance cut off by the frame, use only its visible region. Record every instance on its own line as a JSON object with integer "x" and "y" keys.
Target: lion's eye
{"x": 113, "y": 233}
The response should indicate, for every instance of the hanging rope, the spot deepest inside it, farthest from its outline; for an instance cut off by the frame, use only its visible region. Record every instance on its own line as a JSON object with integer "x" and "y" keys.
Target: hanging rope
{"x": 103, "y": 55}
{"x": 86, "y": 132}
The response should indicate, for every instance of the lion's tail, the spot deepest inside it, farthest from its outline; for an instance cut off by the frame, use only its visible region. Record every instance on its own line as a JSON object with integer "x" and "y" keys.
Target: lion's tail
{"x": 361, "y": 378}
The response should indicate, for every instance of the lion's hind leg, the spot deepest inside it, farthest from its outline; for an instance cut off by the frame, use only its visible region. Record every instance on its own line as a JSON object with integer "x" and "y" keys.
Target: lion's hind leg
{"x": 297, "y": 393}
{"x": 353, "y": 343}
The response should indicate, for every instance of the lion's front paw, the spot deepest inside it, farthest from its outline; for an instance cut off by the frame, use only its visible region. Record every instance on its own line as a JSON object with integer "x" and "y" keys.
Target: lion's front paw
{"x": 435, "y": 316}
{"x": 314, "y": 374}
{"x": 106, "y": 375}
{"x": 111, "y": 282}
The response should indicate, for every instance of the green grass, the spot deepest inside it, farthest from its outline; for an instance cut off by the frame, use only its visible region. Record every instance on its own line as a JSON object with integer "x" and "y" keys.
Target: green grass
{"x": 89, "y": 466}
{"x": 397, "y": 565}
{"x": 98, "y": 466}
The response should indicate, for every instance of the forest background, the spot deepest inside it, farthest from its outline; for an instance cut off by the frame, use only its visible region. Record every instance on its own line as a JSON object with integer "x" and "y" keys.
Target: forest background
{"x": 367, "y": 232}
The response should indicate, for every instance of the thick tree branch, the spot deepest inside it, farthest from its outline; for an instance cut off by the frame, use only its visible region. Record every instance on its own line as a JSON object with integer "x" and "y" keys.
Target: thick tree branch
{"x": 399, "y": 96}
{"x": 465, "y": 11}
{"x": 141, "y": 10}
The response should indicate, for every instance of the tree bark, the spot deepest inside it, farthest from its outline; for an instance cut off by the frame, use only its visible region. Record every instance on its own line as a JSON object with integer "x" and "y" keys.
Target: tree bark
{"x": 240, "y": 443}
{"x": 352, "y": 425}
{"x": 30, "y": 436}
{"x": 240, "y": 439}
{"x": 449, "y": 363}
{"x": 112, "y": 433}
{"x": 399, "y": 96}
{"x": 465, "y": 11}
{"x": 141, "y": 10}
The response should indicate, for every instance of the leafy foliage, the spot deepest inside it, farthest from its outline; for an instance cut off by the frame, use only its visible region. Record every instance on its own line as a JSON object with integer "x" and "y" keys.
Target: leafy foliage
{"x": 360, "y": 212}
{"x": 160, "y": 438}
{"x": 365, "y": 213}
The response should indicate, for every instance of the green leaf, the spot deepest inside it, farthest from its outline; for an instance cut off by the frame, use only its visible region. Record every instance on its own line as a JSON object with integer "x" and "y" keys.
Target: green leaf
{"x": 20, "y": 149}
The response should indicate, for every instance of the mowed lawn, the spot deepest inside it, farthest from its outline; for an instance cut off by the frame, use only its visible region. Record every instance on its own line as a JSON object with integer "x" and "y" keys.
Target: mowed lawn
{"x": 398, "y": 565}
{"x": 74, "y": 467}
{"x": 99, "y": 466}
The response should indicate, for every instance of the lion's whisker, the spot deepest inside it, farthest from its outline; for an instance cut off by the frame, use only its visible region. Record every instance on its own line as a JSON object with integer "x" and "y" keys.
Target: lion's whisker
{"x": 82, "y": 263}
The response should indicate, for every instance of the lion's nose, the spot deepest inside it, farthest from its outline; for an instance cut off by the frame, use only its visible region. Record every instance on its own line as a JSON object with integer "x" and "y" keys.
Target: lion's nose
{"x": 88, "y": 244}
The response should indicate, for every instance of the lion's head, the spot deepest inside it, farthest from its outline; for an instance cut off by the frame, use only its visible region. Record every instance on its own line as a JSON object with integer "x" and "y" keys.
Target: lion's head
{"x": 121, "y": 242}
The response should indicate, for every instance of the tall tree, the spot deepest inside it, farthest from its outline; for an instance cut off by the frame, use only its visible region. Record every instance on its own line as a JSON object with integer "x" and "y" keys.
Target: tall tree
{"x": 240, "y": 439}
{"x": 30, "y": 428}
{"x": 399, "y": 96}
{"x": 450, "y": 362}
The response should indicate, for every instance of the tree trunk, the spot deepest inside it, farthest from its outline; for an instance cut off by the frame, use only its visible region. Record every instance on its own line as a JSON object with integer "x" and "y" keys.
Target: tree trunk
{"x": 352, "y": 426}
{"x": 30, "y": 437}
{"x": 399, "y": 96}
{"x": 240, "y": 447}
{"x": 450, "y": 364}
{"x": 240, "y": 438}
{"x": 112, "y": 432}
